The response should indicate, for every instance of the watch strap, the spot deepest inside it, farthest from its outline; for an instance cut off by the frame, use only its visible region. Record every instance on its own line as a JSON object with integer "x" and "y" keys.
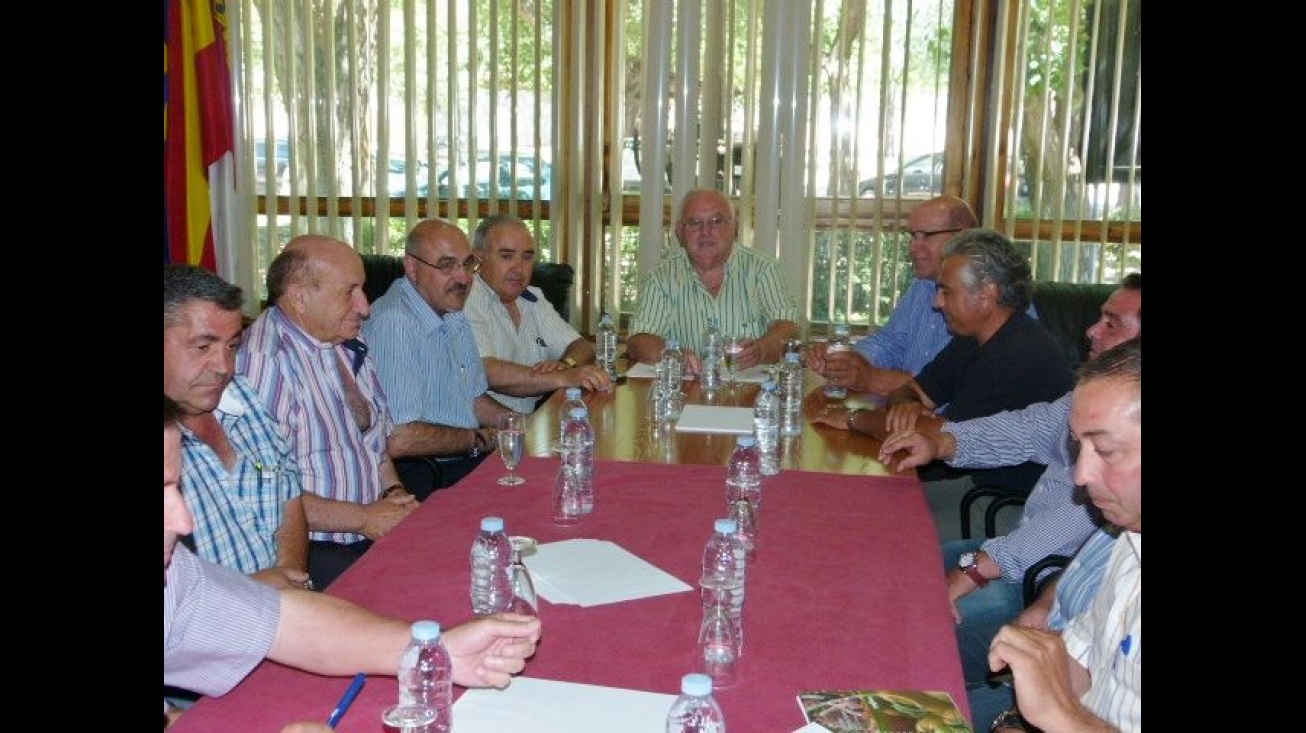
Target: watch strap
{"x": 973, "y": 572}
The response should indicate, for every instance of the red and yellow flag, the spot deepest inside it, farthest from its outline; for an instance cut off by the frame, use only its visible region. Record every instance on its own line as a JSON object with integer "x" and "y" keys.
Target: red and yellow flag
{"x": 197, "y": 129}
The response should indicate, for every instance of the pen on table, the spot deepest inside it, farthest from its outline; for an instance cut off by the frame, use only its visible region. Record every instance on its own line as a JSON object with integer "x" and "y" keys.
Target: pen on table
{"x": 346, "y": 700}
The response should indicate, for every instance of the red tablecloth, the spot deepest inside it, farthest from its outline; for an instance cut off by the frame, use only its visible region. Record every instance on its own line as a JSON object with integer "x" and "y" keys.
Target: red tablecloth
{"x": 846, "y": 592}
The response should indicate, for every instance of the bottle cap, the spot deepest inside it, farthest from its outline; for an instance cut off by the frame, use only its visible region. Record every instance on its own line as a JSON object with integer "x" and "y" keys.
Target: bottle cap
{"x": 727, "y": 526}
{"x": 492, "y": 524}
{"x": 696, "y": 684}
{"x": 769, "y": 385}
{"x": 791, "y": 356}
{"x": 426, "y": 630}
{"x": 745, "y": 441}
{"x": 573, "y": 393}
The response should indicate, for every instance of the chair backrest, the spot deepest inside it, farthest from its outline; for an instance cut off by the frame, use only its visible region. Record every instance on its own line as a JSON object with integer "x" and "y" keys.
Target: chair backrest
{"x": 1066, "y": 310}
{"x": 554, "y": 279}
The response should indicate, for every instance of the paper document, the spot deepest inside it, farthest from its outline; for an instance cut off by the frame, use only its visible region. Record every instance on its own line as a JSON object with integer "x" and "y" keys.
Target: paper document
{"x": 547, "y": 706}
{"x": 589, "y": 572}
{"x": 714, "y": 419}
{"x": 756, "y": 374}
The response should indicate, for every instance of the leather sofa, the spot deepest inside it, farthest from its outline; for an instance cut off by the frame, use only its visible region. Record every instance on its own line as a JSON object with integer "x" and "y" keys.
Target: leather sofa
{"x": 553, "y": 278}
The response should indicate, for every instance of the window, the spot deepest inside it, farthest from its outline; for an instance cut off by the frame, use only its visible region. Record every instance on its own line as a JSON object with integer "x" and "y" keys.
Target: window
{"x": 828, "y": 121}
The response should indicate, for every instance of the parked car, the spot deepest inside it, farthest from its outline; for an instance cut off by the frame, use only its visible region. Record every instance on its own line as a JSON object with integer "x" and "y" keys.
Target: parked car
{"x": 920, "y": 177}
{"x": 282, "y": 166}
{"x": 486, "y": 175}
{"x": 397, "y": 178}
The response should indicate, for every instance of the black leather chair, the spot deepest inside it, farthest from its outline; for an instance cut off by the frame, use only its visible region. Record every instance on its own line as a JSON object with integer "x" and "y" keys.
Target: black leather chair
{"x": 554, "y": 279}
{"x": 1037, "y": 576}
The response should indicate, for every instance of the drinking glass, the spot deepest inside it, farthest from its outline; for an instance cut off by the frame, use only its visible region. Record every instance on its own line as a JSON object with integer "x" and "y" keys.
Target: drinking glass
{"x": 408, "y": 719}
{"x": 734, "y": 345}
{"x": 511, "y": 443}
{"x": 524, "y": 599}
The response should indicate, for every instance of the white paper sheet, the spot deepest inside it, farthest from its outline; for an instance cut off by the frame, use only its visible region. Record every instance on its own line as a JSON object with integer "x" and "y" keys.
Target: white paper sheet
{"x": 589, "y": 572}
{"x": 715, "y": 419}
{"x": 755, "y": 374}
{"x": 531, "y": 705}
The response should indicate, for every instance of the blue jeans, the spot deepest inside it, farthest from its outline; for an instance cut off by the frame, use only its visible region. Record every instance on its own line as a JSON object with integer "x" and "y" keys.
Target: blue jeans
{"x": 983, "y": 612}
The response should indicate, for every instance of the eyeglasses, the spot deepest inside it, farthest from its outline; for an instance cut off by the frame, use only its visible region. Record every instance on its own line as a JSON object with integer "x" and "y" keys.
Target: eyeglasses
{"x": 695, "y": 225}
{"x": 923, "y": 233}
{"x": 446, "y": 265}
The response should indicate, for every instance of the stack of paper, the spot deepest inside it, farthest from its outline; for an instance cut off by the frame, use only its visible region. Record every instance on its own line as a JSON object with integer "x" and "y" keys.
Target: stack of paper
{"x": 594, "y": 572}
{"x": 715, "y": 419}
{"x": 545, "y": 706}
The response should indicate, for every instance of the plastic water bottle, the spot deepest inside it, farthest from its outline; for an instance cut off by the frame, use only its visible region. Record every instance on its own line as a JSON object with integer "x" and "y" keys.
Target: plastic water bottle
{"x": 745, "y": 516}
{"x": 578, "y": 455}
{"x": 766, "y": 428}
{"x": 744, "y": 473}
{"x": 712, "y": 345}
{"x": 710, "y": 373}
{"x": 491, "y": 558}
{"x": 791, "y": 395}
{"x": 573, "y": 400}
{"x": 426, "y": 675}
{"x": 675, "y": 360}
{"x": 607, "y": 342}
{"x": 725, "y": 564}
{"x": 695, "y": 709}
{"x": 839, "y": 343}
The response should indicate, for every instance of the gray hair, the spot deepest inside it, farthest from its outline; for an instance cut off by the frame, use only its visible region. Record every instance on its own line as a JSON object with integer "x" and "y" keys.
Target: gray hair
{"x": 992, "y": 258}
{"x": 184, "y": 283}
{"x": 483, "y": 229}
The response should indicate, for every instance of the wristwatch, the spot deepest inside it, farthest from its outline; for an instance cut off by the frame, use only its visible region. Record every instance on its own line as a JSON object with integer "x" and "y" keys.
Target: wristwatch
{"x": 968, "y": 563}
{"x": 570, "y": 362}
{"x": 852, "y": 414}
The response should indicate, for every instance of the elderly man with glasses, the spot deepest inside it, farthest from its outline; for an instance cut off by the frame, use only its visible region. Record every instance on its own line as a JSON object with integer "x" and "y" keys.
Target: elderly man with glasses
{"x": 709, "y": 277}
{"x": 428, "y": 363}
{"x": 915, "y": 332}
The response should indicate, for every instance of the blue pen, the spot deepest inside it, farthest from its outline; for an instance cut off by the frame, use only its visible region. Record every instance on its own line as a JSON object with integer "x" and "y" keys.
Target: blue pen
{"x": 346, "y": 700}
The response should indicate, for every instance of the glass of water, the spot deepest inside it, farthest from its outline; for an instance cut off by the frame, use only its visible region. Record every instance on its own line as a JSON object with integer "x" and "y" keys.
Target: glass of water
{"x": 511, "y": 443}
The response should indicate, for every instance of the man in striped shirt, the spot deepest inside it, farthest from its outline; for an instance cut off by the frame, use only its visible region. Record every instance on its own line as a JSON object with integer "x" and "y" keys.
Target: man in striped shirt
{"x": 427, "y": 359}
{"x": 304, "y": 358}
{"x": 527, "y": 350}
{"x": 1090, "y": 677}
{"x": 709, "y": 277}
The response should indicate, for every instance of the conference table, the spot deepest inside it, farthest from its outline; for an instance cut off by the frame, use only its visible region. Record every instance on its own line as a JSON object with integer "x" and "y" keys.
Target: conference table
{"x": 846, "y": 590}
{"x": 624, "y": 431}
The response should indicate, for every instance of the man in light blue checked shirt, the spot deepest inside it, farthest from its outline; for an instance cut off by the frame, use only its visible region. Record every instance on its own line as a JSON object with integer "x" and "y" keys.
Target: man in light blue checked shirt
{"x": 709, "y": 277}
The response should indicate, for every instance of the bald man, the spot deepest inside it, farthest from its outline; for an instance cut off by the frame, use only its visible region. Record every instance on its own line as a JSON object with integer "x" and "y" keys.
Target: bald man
{"x": 428, "y": 363}
{"x": 304, "y": 358}
{"x": 709, "y": 277}
{"x": 915, "y": 332}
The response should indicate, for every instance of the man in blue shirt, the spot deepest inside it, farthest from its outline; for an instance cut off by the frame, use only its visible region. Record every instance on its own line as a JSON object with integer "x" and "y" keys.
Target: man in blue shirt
{"x": 428, "y": 363}
{"x": 915, "y": 332}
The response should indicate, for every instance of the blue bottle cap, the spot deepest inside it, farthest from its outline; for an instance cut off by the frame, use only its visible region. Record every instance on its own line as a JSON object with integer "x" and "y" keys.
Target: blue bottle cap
{"x": 746, "y": 441}
{"x": 697, "y": 684}
{"x": 426, "y": 630}
{"x": 492, "y": 524}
